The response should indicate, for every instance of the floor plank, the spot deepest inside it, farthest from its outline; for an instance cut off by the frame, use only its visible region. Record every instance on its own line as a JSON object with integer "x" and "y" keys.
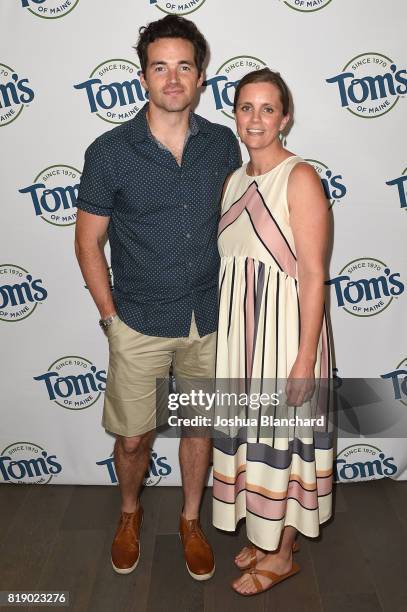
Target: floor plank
{"x": 383, "y": 541}
{"x": 171, "y": 587}
{"x": 72, "y": 566}
{"x": 168, "y": 522}
{"x": 92, "y": 507}
{"x": 339, "y": 564}
{"x": 351, "y": 602}
{"x": 11, "y": 498}
{"x": 29, "y": 541}
{"x": 397, "y": 494}
{"x": 339, "y": 501}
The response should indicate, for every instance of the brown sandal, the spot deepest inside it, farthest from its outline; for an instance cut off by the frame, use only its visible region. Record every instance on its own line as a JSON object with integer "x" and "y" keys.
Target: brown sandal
{"x": 253, "y": 558}
{"x": 275, "y": 578}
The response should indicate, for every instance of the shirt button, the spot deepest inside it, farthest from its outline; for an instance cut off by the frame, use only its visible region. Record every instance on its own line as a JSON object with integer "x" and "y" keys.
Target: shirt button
{"x": 188, "y": 235}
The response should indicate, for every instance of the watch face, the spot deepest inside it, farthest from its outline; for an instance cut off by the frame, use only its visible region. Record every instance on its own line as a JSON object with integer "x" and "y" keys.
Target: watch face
{"x": 107, "y": 322}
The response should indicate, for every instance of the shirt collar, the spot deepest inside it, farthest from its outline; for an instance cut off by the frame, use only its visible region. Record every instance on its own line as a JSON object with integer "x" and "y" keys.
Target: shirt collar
{"x": 141, "y": 129}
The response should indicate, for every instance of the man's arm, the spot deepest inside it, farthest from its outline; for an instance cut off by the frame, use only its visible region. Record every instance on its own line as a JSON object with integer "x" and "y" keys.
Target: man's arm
{"x": 90, "y": 239}
{"x": 235, "y": 154}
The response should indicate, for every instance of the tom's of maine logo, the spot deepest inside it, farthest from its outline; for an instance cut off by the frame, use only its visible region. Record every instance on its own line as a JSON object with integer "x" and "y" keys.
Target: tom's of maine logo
{"x": 370, "y": 85}
{"x": 398, "y": 378}
{"x": 400, "y": 186}
{"x": 158, "y": 468}
{"x": 53, "y": 194}
{"x": 26, "y": 462}
{"x": 49, "y": 9}
{"x": 113, "y": 90}
{"x": 73, "y": 382}
{"x": 307, "y": 6}
{"x": 366, "y": 286}
{"x": 223, "y": 85}
{"x": 177, "y": 8}
{"x": 20, "y": 293}
{"x": 15, "y": 94}
{"x": 362, "y": 462}
{"x": 332, "y": 182}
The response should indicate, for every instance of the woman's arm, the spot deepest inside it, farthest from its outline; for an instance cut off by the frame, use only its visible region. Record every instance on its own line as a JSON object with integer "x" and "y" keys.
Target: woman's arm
{"x": 309, "y": 219}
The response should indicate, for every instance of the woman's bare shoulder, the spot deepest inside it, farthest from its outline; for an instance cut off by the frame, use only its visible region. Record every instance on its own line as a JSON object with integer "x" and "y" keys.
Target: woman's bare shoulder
{"x": 303, "y": 171}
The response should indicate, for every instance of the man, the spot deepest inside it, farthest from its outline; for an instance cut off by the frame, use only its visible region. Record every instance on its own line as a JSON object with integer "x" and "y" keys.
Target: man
{"x": 154, "y": 184}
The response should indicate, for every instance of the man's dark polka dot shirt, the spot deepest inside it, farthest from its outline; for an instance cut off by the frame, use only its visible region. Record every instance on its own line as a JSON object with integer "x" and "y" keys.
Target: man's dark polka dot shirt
{"x": 163, "y": 221}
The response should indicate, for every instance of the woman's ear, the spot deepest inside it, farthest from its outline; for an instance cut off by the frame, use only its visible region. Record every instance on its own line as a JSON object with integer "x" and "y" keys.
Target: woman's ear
{"x": 284, "y": 122}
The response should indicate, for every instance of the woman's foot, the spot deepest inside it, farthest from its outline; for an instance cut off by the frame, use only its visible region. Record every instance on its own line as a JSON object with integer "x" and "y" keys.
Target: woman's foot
{"x": 250, "y": 555}
{"x": 274, "y": 562}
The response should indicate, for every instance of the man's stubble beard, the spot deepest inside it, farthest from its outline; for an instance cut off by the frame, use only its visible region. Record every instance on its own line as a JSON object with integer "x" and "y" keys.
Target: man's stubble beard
{"x": 173, "y": 108}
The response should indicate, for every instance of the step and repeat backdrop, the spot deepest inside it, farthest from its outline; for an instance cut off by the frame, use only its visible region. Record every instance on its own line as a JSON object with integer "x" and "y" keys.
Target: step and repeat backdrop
{"x": 68, "y": 72}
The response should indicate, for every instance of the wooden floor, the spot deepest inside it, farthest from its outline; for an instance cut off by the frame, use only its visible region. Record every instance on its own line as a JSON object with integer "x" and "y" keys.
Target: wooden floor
{"x": 59, "y": 537}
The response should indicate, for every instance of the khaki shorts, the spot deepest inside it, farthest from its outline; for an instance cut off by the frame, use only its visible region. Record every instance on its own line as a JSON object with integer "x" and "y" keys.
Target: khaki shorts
{"x": 133, "y": 395}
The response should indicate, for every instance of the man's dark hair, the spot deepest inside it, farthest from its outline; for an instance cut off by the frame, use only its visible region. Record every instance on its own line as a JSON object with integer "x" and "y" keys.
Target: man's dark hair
{"x": 172, "y": 26}
{"x": 265, "y": 75}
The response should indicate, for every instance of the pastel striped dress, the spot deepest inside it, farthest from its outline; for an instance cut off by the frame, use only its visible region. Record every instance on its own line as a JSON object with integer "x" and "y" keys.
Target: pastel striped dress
{"x": 274, "y": 476}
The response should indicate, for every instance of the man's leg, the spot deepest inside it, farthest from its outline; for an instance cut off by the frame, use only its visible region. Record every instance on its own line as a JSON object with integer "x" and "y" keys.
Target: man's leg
{"x": 194, "y": 456}
{"x": 195, "y": 363}
{"x": 194, "y": 368}
{"x": 131, "y": 458}
{"x": 132, "y": 400}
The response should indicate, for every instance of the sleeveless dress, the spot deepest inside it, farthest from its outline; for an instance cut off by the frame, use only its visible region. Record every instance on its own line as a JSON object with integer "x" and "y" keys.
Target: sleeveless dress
{"x": 283, "y": 477}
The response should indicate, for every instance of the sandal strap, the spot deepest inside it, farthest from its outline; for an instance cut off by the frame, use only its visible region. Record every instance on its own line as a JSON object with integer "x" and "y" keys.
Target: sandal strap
{"x": 266, "y": 573}
{"x": 253, "y": 557}
{"x": 256, "y": 582}
{"x": 275, "y": 578}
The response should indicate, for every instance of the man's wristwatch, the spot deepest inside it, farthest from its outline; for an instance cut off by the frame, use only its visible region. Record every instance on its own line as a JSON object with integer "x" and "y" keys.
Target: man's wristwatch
{"x": 106, "y": 323}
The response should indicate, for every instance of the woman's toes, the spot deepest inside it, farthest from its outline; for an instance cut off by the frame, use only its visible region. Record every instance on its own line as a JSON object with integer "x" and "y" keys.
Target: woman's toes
{"x": 237, "y": 584}
{"x": 247, "y": 586}
{"x": 242, "y": 557}
{"x": 241, "y": 554}
{"x": 243, "y": 584}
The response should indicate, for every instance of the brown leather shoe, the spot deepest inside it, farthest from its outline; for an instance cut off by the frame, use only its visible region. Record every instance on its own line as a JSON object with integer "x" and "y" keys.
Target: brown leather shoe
{"x": 197, "y": 550}
{"x": 126, "y": 543}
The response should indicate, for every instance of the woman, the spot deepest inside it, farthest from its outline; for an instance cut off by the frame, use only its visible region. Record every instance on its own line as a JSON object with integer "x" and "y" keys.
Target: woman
{"x": 273, "y": 238}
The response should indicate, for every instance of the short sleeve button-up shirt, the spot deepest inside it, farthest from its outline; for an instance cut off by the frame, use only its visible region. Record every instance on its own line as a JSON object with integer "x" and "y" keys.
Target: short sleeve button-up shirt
{"x": 163, "y": 221}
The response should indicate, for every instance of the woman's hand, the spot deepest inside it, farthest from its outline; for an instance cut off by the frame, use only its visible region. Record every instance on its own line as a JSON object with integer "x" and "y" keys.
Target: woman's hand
{"x": 301, "y": 383}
